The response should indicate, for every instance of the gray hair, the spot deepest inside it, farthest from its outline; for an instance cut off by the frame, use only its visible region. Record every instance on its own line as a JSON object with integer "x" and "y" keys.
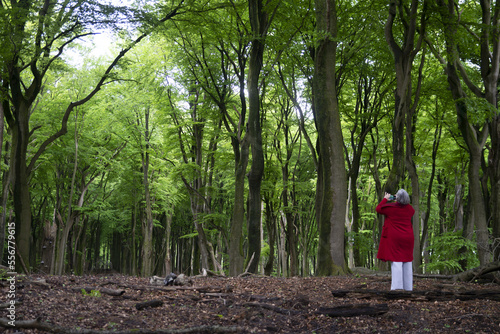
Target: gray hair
{"x": 402, "y": 197}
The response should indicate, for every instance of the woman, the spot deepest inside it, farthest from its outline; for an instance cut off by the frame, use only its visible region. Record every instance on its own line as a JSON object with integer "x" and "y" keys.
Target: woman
{"x": 397, "y": 240}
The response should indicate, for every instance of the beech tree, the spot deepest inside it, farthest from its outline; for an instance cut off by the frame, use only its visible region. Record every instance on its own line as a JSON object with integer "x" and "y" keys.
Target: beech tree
{"x": 332, "y": 185}
{"x": 476, "y": 106}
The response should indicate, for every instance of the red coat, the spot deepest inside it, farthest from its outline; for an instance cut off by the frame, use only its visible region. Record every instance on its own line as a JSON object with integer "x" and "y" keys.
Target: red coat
{"x": 396, "y": 241}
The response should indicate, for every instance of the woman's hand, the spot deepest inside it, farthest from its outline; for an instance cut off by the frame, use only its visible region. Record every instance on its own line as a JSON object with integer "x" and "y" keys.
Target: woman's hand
{"x": 387, "y": 196}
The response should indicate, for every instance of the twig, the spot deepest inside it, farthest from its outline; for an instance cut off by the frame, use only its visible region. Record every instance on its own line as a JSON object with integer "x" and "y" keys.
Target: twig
{"x": 248, "y": 266}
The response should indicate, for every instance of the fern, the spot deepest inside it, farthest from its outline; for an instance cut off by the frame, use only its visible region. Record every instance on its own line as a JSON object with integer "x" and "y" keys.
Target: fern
{"x": 448, "y": 251}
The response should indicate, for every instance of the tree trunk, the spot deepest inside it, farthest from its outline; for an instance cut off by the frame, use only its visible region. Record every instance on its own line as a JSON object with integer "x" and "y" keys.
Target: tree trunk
{"x": 291, "y": 228}
{"x": 271, "y": 235}
{"x": 63, "y": 235}
{"x": 167, "y": 244}
{"x": 259, "y": 23}
{"x": 62, "y": 243}
{"x": 147, "y": 223}
{"x": 81, "y": 248}
{"x": 477, "y": 201}
{"x": 21, "y": 197}
{"x": 442, "y": 191}
{"x": 5, "y": 183}
{"x": 48, "y": 246}
{"x": 282, "y": 254}
{"x": 332, "y": 183}
{"x": 494, "y": 160}
{"x": 236, "y": 258}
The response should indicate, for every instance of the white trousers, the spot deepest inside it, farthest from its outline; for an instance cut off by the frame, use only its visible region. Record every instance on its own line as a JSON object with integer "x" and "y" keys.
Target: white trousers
{"x": 402, "y": 276}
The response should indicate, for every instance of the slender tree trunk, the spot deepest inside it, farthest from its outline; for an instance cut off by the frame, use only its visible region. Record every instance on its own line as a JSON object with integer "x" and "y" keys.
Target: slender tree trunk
{"x": 259, "y": 23}
{"x": 167, "y": 244}
{"x": 271, "y": 235}
{"x": 332, "y": 182}
{"x": 442, "y": 192}
{"x": 62, "y": 243}
{"x": 6, "y": 180}
{"x": 241, "y": 154}
{"x": 291, "y": 230}
{"x": 80, "y": 248}
{"x": 202, "y": 238}
{"x": 236, "y": 258}
{"x": 48, "y": 246}
{"x": 147, "y": 224}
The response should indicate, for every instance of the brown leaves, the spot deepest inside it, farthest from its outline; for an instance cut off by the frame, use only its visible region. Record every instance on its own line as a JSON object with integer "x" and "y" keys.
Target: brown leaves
{"x": 252, "y": 304}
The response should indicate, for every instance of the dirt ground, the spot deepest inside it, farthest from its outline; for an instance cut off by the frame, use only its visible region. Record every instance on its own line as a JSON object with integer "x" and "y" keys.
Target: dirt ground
{"x": 249, "y": 305}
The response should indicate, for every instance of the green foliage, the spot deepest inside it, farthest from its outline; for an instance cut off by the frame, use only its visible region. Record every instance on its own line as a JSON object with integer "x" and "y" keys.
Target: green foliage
{"x": 189, "y": 235}
{"x": 479, "y": 110}
{"x": 265, "y": 250}
{"x": 366, "y": 243}
{"x": 448, "y": 250}
{"x": 92, "y": 293}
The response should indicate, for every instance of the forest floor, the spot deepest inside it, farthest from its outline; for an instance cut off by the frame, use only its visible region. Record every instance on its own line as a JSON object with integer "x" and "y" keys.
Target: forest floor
{"x": 356, "y": 304}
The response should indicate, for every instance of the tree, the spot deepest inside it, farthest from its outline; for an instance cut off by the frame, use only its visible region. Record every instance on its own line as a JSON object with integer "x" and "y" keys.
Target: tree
{"x": 259, "y": 22}
{"x": 475, "y": 115}
{"x": 332, "y": 185}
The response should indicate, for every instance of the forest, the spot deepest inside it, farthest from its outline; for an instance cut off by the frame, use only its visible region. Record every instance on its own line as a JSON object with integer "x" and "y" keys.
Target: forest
{"x": 251, "y": 136}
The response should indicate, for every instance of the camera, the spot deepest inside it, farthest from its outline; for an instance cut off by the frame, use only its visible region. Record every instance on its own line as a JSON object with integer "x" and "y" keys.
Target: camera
{"x": 392, "y": 198}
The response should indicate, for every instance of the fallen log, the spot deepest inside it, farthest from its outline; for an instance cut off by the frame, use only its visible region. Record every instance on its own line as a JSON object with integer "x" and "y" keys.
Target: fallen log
{"x": 52, "y": 328}
{"x": 150, "y": 303}
{"x": 475, "y": 273}
{"x": 354, "y": 310}
{"x": 434, "y": 276}
{"x": 112, "y": 292}
{"x": 435, "y": 295}
{"x": 9, "y": 304}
